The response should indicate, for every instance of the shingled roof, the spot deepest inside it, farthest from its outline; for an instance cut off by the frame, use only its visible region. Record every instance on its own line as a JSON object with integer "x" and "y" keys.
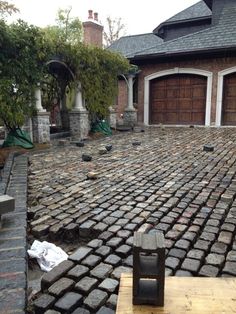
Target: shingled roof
{"x": 218, "y": 36}
{"x": 129, "y": 45}
{"x": 198, "y": 10}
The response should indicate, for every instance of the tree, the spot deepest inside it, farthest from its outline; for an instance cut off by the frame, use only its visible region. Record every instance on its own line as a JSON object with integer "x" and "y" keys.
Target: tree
{"x": 67, "y": 29}
{"x": 7, "y": 8}
{"x": 97, "y": 71}
{"x": 95, "y": 68}
{"x": 24, "y": 55}
{"x": 114, "y": 29}
{"x": 22, "y": 59}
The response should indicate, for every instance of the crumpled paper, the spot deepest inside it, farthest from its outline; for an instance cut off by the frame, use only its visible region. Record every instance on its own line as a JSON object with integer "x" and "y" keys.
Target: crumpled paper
{"x": 48, "y": 255}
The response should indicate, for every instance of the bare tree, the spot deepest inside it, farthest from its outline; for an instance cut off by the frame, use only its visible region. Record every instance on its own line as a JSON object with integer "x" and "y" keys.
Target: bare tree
{"x": 113, "y": 30}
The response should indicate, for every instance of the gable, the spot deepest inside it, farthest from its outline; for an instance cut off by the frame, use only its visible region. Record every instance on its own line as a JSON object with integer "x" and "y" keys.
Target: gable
{"x": 197, "y": 10}
{"x": 190, "y": 20}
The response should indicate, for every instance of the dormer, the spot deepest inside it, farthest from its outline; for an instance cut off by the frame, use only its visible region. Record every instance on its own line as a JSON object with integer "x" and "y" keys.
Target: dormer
{"x": 217, "y": 7}
{"x": 191, "y": 20}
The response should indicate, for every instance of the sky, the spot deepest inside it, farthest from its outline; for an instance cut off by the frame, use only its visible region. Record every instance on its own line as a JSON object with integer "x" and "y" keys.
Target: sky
{"x": 138, "y": 16}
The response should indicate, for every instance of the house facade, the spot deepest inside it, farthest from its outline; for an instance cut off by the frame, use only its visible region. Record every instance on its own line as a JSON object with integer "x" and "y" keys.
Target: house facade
{"x": 187, "y": 68}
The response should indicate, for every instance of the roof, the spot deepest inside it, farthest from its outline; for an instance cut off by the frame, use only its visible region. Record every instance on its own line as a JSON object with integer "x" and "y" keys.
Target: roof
{"x": 131, "y": 44}
{"x": 217, "y": 36}
{"x": 200, "y": 9}
{"x": 208, "y": 3}
{"x": 194, "y": 13}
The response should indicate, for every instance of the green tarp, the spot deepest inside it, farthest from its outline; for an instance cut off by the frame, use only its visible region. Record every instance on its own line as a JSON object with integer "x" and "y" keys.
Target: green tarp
{"x": 101, "y": 127}
{"x": 18, "y": 138}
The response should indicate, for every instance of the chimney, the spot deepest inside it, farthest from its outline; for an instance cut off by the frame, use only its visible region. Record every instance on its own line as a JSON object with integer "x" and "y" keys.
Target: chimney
{"x": 90, "y": 14}
{"x": 96, "y": 16}
{"x": 93, "y": 30}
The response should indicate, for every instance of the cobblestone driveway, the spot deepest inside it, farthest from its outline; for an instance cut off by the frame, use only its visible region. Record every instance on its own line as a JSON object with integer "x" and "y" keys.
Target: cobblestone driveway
{"x": 168, "y": 184}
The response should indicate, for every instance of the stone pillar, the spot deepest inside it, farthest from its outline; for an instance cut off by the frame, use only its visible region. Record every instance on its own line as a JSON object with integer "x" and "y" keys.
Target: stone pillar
{"x": 41, "y": 127}
{"x": 28, "y": 127}
{"x": 79, "y": 124}
{"x": 38, "y": 99}
{"x": 79, "y": 119}
{"x": 79, "y": 99}
{"x": 40, "y": 122}
{"x": 130, "y": 113}
{"x": 130, "y": 92}
{"x": 112, "y": 118}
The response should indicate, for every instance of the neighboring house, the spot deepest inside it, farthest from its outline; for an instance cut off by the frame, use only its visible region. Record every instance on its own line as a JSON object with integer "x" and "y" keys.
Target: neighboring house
{"x": 188, "y": 67}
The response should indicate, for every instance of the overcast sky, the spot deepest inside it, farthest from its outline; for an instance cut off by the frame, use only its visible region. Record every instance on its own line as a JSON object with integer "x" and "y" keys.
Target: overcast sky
{"x": 138, "y": 16}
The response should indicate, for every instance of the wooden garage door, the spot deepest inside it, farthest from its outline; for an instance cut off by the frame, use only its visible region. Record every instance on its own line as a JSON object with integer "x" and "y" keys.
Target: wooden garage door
{"x": 178, "y": 99}
{"x": 229, "y": 100}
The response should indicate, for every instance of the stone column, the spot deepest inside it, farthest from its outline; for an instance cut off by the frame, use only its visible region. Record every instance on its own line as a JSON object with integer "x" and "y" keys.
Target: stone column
{"x": 41, "y": 128}
{"x": 38, "y": 99}
{"x": 28, "y": 127}
{"x": 130, "y": 113}
{"x": 79, "y": 119}
{"x": 112, "y": 118}
{"x": 40, "y": 122}
{"x": 79, "y": 99}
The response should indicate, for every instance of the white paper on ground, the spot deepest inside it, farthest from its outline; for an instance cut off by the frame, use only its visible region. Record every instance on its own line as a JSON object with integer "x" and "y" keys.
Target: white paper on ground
{"x": 47, "y": 254}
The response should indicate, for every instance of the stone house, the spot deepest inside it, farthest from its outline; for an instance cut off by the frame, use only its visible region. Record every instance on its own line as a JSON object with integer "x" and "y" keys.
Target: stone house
{"x": 187, "y": 68}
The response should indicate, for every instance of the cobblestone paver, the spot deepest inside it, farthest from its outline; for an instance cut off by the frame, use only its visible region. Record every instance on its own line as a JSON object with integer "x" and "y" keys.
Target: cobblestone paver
{"x": 168, "y": 184}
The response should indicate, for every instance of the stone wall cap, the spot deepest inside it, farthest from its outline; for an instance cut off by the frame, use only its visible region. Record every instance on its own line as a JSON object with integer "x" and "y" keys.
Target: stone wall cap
{"x": 76, "y": 111}
{"x": 42, "y": 113}
{"x": 7, "y": 204}
{"x": 92, "y": 23}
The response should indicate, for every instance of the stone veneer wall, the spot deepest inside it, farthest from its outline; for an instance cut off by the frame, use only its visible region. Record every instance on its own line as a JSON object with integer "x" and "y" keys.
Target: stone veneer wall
{"x": 79, "y": 124}
{"x": 41, "y": 128}
{"x": 27, "y": 127}
{"x": 130, "y": 117}
{"x": 112, "y": 118}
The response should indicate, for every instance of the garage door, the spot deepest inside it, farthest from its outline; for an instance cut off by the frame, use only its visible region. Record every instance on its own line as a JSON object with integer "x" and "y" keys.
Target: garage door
{"x": 178, "y": 99}
{"x": 229, "y": 100}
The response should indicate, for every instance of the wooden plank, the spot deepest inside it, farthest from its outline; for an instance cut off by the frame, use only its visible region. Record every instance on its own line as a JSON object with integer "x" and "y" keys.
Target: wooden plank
{"x": 191, "y": 295}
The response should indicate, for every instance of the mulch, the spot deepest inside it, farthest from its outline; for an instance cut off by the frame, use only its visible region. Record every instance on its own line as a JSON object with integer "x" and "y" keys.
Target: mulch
{"x": 4, "y": 152}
